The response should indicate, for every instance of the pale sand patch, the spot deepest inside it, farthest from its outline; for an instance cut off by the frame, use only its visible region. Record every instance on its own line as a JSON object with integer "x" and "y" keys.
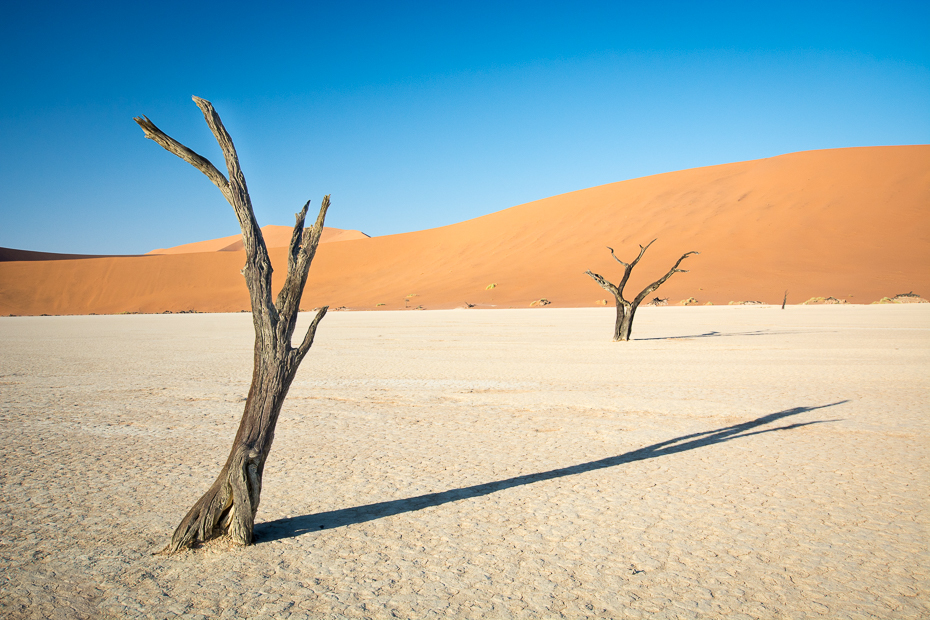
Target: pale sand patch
{"x": 740, "y": 461}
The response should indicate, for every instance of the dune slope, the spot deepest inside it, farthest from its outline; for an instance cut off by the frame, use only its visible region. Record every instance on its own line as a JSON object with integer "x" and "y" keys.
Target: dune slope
{"x": 850, "y": 223}
{"x": 275, "y": 237}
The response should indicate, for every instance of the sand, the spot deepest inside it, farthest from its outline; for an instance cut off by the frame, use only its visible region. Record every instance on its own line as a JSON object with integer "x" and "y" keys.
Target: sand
{"x": 275, "y": 237}
{"x": 853, "y": 224}
{"x": 740, "y": 462}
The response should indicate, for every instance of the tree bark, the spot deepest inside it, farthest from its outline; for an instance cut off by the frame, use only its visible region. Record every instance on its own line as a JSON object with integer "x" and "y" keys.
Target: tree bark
{"x": 231, "y": 503}
{"x": 626, "y": 310}
{"x": 624, "y": 323}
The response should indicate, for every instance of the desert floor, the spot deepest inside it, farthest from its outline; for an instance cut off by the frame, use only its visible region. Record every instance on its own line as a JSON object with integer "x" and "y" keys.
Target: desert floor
{"x": 751, "y": 462}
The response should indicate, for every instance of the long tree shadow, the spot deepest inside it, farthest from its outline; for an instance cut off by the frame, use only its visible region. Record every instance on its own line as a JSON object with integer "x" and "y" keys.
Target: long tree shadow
{"x": 295, "y": 526}
{"x": 715, "y": 334}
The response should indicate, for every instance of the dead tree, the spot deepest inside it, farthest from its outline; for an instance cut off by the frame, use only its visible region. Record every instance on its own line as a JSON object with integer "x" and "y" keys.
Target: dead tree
{"x": 627, "y": 309}
{"x": 229, "y": 506}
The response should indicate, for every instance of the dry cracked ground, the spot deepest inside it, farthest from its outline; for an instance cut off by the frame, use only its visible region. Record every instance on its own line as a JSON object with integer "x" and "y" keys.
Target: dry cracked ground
{"x": 747, "y": 462}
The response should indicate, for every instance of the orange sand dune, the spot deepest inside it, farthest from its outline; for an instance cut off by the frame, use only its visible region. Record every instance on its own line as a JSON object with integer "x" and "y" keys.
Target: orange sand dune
{"x": 849, "y": 223}
{"x": 275, "y": 237}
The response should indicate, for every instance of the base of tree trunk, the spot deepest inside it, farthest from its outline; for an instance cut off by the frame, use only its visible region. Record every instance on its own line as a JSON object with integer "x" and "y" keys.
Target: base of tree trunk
{"x": 228, "y": 508}
{"x": 624, "y": 323}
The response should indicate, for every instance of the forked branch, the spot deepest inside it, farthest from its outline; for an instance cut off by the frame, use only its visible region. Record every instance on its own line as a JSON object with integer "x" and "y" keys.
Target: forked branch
{"x": 257, "y": 270}
{"x": 629, "y": 268}
{"x": 302, "y": 249}
{"x": 234, "y": 188}
{"x": 649, "y": 289}
{"x": 173, "y": 146}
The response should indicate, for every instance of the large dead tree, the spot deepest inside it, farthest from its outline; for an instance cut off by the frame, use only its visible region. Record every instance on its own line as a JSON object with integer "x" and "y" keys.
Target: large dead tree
{"x": 229, "y": 506}
{"x": 627, "y": 309}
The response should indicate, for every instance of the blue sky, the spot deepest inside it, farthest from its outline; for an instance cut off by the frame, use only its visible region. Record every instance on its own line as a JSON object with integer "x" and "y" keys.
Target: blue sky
{"x": 417, "y": 115}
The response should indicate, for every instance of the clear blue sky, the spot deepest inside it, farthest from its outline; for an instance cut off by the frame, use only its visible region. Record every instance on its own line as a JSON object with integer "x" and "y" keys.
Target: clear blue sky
{"x": 416, "y": 115}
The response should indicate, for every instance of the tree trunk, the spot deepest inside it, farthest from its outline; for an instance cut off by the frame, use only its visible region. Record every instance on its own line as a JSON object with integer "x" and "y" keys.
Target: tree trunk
{"x": 624, "y": 323}
{"x": 230, "y": 505}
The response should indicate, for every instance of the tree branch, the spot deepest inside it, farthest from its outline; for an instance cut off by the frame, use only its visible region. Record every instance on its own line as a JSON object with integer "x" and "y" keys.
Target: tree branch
{"x": 173, "y": 146}
{"x": 607, "y": 286}
{"x": 642, "y": 250}
{"x": 293, "y": 257}
{"x": 301, "y": 351}
{"x": 629, "y": 268}
{"x": 312, "y": 236}
{"x": 299, "y": 259}
{"x": 649, "y": 289}
{"x": 296, "y": 237}
{"x": 238, "y": 196}
{"x": 615, "y": 257}
{"x": 258, "y": 269}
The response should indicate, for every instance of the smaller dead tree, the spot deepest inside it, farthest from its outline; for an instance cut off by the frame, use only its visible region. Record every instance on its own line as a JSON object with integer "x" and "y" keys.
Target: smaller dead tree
{"x": 627, "y": 309}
